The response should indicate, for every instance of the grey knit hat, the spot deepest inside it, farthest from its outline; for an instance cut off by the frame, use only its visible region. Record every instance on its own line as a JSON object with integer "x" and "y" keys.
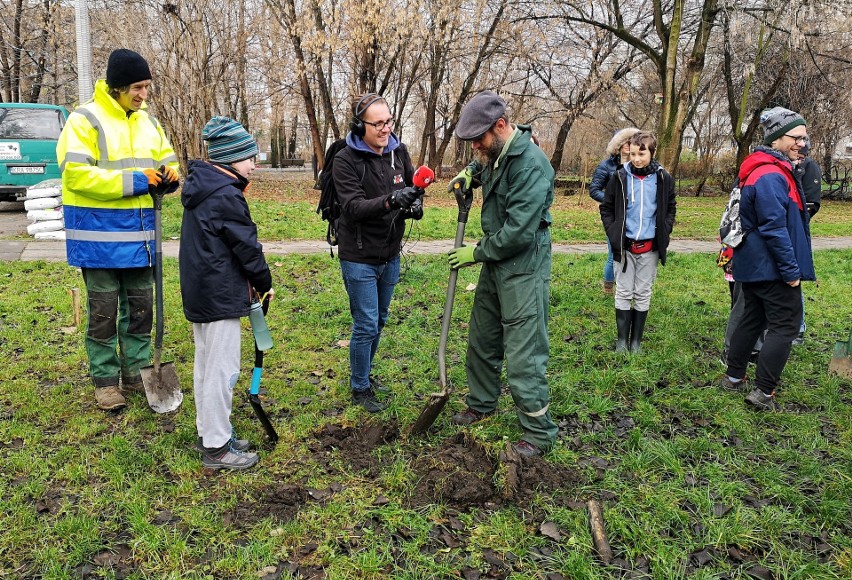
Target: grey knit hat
{"x": 479, "y": 114}
{"x": 228, "y": 141}
{"x": 777, "y": 121}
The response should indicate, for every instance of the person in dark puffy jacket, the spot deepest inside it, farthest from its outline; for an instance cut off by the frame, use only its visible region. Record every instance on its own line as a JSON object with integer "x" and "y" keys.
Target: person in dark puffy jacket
{"x": 222, "y": 270}
{"x": 773, "y": 258}
{"x": 373, "y": 177}
{"x": 618, "y": 153}
{"x": 809, "y": 176}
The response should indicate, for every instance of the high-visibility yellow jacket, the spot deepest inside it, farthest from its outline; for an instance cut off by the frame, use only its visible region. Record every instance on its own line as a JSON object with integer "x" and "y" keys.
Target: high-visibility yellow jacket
{"x": 109, "y": 216}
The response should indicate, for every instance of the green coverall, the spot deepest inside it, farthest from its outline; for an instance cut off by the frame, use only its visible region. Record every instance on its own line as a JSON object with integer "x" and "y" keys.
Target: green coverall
{"x": 509, "y": 316}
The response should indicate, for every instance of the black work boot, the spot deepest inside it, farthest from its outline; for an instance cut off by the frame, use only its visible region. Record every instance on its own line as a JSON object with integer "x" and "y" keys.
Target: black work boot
{"x": 367, "y": 399}
{"x": 638, "y": 327}
{"x": 623, "y": 319}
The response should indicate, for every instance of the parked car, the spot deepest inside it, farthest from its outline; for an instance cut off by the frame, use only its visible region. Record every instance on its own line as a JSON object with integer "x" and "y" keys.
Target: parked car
{"x": 28, "y": 136}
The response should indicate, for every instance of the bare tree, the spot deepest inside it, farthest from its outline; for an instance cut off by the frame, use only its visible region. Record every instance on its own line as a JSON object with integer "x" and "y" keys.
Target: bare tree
{"x": 673, "y": 37}
{"x": 28, "y": 48}
{"x": 574, "y": 67}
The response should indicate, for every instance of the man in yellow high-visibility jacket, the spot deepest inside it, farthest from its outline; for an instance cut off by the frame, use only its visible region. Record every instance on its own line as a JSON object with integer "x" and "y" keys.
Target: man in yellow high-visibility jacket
{"x": 111, "y": 152}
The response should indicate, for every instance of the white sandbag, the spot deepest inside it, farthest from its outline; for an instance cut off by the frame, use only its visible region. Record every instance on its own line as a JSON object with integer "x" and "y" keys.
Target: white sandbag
{"x": 43, "y": 215}
{"x": 37, "y": 192}
{"x": 42, "y": 203}
{"x": 49, "y": 226}
{"x": 57, "y": 235}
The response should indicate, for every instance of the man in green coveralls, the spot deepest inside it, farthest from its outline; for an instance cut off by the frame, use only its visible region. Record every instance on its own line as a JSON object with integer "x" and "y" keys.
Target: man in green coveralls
{"x": 509, "y": 316}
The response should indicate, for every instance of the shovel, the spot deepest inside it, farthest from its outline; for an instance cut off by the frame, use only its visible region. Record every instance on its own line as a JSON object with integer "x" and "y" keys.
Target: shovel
{"x": 438, "y": 400}
{"x": 162, "y": 386}
{"x": 254, "y": 391}
{"x": 841, "y": 360}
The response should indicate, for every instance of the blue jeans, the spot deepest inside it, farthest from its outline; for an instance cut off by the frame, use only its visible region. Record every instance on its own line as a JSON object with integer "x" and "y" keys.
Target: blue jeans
{"x": 370, "y": 288}
{"x": 609, "y": 273}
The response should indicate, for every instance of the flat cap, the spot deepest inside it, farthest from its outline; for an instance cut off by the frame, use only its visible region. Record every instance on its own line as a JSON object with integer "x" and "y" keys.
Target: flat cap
{"x": 479, "y": 114}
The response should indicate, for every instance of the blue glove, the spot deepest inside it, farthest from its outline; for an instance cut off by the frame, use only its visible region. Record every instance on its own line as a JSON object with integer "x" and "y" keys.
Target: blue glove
{"x": 463, "y": 179}
{"x": 462, "y": 257}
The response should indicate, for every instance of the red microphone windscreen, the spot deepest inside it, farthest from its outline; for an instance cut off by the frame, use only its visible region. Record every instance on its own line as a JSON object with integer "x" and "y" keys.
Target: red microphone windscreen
{"x": 423, "y": 177}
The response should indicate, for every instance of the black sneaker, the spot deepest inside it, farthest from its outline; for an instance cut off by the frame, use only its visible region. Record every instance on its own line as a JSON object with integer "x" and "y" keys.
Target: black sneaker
{"x": 378, "y": 386}
{"x": 367, "y": 399}
{"x": 799, "y": 340}
{"x": 469, "y": 417}
{"x": 761, "y": 401}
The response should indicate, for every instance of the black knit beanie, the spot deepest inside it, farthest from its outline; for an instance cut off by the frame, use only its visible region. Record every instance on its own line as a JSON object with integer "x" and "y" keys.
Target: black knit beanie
{"x": 126, "y": 67}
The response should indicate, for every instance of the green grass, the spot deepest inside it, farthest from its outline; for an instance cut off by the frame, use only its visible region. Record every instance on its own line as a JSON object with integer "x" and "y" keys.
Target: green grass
{"x": 575, "y": 218}
{"x": 678, "y": 465}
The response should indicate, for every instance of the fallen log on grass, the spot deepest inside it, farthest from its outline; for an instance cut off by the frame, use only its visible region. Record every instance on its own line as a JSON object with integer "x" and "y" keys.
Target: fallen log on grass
{"x": 596, "y": 522}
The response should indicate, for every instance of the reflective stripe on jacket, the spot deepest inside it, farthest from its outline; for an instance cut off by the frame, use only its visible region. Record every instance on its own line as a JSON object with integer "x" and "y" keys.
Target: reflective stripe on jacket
{"x": 108, "y": 224}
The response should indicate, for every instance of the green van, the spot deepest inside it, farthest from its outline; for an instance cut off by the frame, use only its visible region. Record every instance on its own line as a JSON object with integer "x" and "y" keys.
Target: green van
{"x": 28, "y": 136}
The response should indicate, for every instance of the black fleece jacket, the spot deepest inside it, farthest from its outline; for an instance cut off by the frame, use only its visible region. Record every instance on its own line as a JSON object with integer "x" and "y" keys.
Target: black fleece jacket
{"x": 614, "y": 212}
{"x": 368, "y": 232}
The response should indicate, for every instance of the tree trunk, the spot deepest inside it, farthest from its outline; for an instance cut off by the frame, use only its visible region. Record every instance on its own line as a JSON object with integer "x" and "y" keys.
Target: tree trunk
{"x": 559, "y": 147}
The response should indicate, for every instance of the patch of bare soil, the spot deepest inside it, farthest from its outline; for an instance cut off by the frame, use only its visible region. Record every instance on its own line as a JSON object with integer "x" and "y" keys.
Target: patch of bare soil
{"x": 459, "y": 474}
{"x": 353, "y": 446}
{"x": 281, "y": 503}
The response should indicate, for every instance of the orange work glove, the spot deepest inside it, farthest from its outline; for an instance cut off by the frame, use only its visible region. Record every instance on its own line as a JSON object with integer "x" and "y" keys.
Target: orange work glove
{"x": 154, "y": 178}
{"x": 169, "y": 174}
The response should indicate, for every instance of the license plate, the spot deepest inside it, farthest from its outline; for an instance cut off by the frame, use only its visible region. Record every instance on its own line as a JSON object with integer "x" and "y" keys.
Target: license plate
{"x": 20, "y": 170}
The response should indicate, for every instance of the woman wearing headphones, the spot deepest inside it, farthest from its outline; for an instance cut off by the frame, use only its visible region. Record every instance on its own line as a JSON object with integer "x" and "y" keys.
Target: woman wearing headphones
{"x": 373, "y": 177}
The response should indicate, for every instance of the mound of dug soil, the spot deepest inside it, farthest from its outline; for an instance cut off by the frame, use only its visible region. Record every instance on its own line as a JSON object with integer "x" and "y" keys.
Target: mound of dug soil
{"x": 460, "y": 474}
{"x": 353, "y": 446}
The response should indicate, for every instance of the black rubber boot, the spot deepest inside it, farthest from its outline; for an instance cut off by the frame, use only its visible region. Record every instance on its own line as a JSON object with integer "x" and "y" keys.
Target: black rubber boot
{"x": 639, "y": 318}
{"x": 623, "y": 319}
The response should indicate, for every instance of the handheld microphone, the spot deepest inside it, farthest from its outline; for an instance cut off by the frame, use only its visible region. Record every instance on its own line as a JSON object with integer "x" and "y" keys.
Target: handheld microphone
{"x": 423, "y": 177}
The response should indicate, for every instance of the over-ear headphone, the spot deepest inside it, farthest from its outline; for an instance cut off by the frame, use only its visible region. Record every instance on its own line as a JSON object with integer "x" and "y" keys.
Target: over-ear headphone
{"x": 356, "y": 124}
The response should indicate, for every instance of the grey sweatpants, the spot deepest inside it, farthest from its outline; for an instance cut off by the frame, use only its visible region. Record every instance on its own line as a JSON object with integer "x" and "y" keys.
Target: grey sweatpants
{"x": 216, "y": 370}
{"x": 633, "y": 284}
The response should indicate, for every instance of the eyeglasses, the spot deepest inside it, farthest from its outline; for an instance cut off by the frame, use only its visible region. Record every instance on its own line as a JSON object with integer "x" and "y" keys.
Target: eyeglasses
{"x": 798, "y": 139}
{"x": 380, "y": 125}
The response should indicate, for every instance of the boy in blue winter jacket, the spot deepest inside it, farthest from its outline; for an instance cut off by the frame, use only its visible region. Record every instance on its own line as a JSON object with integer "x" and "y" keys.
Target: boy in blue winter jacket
{"x": 773, "y": 258}
{"x": 221, "y": 268}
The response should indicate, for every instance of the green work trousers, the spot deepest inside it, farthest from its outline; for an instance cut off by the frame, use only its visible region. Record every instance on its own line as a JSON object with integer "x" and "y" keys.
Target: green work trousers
{"x": 509, "y": 321}
{"x": 118, "y": 333}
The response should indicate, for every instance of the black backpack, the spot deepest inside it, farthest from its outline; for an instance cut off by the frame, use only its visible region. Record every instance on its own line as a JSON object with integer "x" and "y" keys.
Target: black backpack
{"x": 329, "y": 206}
